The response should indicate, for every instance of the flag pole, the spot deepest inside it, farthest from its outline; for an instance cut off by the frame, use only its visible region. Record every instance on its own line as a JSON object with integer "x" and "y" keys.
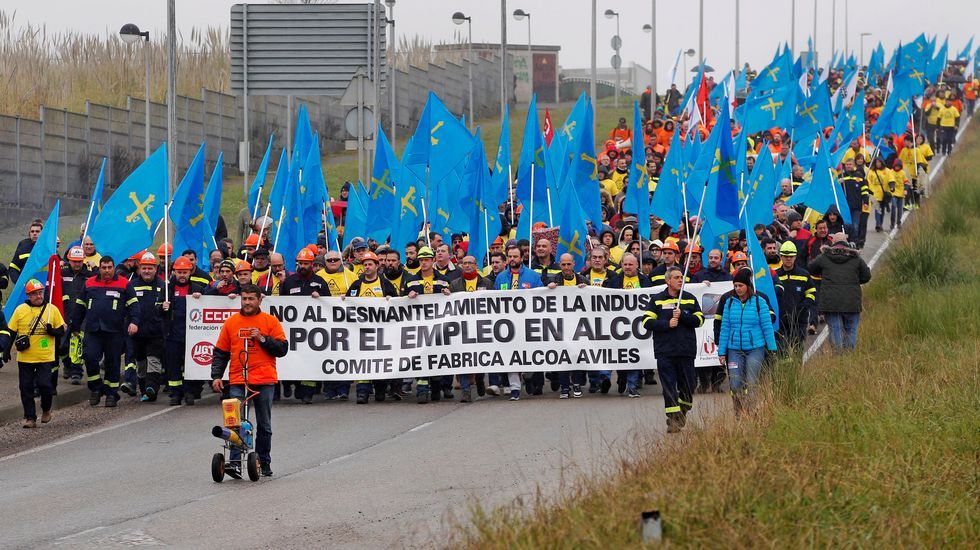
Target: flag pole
{"x": 551, "y": 220}
{"x": 691, "y": 241}
{"x": 530, "y": 221}
{"x": 486, "y": 231}
{"x": 425, "y": 224}
{"x": 166, "y": 241}
{"x": 275, "y": 243}
{"x": 510, "y": 190}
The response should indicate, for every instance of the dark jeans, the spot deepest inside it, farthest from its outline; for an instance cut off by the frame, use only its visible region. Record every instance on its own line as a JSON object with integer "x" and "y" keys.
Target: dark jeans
{"x": 33, "y": 375}
{"x": 97, "y": 345}
{"x": 262, "y": 405}
{"x": 843, "y": 329}
{"x": 566, "y": 378}
{"x": 677, "y": 379}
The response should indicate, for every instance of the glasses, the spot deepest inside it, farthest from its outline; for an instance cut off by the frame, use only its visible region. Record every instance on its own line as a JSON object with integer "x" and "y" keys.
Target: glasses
{"x": 278, "y": 265}
{"x": 332, "y": 260}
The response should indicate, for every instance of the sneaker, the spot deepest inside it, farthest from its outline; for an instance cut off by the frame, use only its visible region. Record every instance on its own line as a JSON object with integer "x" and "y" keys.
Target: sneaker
{"x": 233, "y": 469}
{"x": 362, "y": 399}
{"x": 605, "y": 385}
{"x": 394, "y": 394}
{"x": 29, "y": 424}
{"x": 94, "y": 398}
{"x": 188, "y": 399}
{"x": 75, "y": 380}
{"x": 127, "y": 388}
{"x": 563, "y": 394}
{"x": 45, "y": 417}
{"x": 494, "y": 390}
{"x": 537, "y": 390}
{"x": 515, "y": 395}
{"x": 631, "y": 392}
{"x": 576, "y": 391}
{"x": 379, "y": 397}
{"x": 265, "y": 469}
{"x": 149, "y": 395}
{"x": 287, "y": 390}
{"x": 422, "y": 398}
{"x": 343, "y": 397}
{"x": 467, "y": 395}
{"x": 407, "y": 388}
{"x": 307, "y": 399}
{"x": 555, "y": 385}
{"x": 175, "y": 400}
{"x": 111, "y": 400}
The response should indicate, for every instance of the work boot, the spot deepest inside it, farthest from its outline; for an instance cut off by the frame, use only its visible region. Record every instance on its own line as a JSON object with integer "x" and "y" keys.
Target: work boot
{"x": 127, "y": 388}
{"x": 605, "y": 384}
{"x": 75, "y": 380}
{"x": 447, "y": 393}
{"x": 481, "y": 387}
{"x": 422, "y": 398}
{"x": 266, "y": 469}
{"x": 379, "y": 396}
{"x": 29, "y": 424}
{"x": 189, "y": 399}
{"x": 362, "y": 398}
{"x": 467, "y": 395}
{"x": 111, "y": 400}
{"x": 94, "y": 398}
{"x": 45, "y": 417}
{"x": 739, "y": 405}
{"x": 650, "y": 378}
{"x": 307, "y": 399}
{"x": 174, "y": 400}
{"x": 620, "y": 383}
{"x": 673, "y": 426}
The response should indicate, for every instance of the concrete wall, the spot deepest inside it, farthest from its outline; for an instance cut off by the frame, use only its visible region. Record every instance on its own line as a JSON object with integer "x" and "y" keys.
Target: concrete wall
{"x": 58, "y": 155}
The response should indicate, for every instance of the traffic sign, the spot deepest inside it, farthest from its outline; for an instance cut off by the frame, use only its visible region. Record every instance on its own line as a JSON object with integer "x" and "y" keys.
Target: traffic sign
{"x": 615, "y": 61}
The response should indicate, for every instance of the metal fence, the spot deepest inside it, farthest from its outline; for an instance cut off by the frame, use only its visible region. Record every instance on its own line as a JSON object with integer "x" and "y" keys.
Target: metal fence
{"x": 58, "y": 155}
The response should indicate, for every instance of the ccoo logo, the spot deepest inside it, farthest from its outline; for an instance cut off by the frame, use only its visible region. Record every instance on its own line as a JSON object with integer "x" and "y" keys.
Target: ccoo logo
{"x": 195, "y": 316}
{"x": 202, "y": 353}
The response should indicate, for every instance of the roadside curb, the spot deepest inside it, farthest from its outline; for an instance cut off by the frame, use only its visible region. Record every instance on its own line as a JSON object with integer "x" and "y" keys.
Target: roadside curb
{"x": 68, "y": 395}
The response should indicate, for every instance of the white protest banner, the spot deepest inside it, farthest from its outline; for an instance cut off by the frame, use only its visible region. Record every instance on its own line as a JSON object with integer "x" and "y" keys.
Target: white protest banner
{"x": 561, "y": 329}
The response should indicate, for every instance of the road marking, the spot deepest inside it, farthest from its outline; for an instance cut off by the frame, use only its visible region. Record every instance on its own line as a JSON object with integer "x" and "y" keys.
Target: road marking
{"x": 824, "y": 332}
{"x": 98, "y": 431}
{"x": 79, "y": 534}
{"x": 420, "y": 426}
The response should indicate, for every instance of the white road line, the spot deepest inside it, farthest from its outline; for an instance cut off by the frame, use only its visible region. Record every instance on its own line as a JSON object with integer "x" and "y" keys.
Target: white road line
{"x": 87, "y": 434}
{"x": 420, "y": 426}
{"x": 822, "y": 336}
{"x": 79, "y": 534}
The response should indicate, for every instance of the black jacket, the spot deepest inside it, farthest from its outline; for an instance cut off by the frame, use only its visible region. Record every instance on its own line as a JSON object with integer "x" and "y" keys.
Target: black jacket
{"x": 175, "y": 320}
{"x": 617, "y": 281}
{"x": 797, "y": 295}
{"x": 843, "y": 272}
{"x": 149, "y": 296}
{"x": 21, "y": 254}
{"x": 297, "y": 285}
{"x": 855, "y": 188}
{"x": 559, "y": 279}
{"x": 105, "y": 306}
{"x": 682, "y": 340}
{"x": 711, "y": 275}
{"x": 387, "y": 289}
{"x": 459, "y": 284}
{"x": 415, "y": 283}
{"x": 71, "y": 287}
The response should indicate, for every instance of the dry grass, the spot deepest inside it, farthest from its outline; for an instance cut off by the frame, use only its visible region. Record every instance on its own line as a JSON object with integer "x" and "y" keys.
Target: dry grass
{"x": 65, "y": 69}
{"x": 878, "y": 448}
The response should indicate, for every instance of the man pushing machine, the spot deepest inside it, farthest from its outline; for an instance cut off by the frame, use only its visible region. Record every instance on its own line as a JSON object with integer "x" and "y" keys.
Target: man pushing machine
{"x": 266, "y": 340}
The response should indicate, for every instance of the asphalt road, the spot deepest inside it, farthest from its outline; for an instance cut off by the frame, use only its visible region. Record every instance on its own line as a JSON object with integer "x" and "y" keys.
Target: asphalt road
{"x": 383, "y": 475}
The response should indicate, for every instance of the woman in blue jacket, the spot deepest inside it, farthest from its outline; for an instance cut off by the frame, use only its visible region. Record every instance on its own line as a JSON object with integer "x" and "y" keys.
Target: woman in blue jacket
{"x": 746, "y": 333}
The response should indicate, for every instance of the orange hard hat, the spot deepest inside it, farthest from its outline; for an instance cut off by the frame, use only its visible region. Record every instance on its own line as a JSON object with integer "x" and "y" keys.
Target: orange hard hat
{"x": 148, "y": 259}
{"x": 670, "y": 245}
{"x": 313, "y": 248}
{"x": 76, "y": 254}
{"x": 252, "y": 240}
{"x": 182, "y": 263}
{"x": 33, "y": 286}
{"x": 693, "y": 248}
{"x": 740, "y": 257}
{"x": 305, "y": 255}
{"x": 369, "y": 256}
{"x": 243, "y": 266}
{"x": 136, "y": 257}
{"x": 165, "y": 250}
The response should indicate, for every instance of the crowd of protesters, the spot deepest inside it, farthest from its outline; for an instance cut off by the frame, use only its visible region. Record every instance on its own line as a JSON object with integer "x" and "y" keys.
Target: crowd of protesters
{"x": 123, "y": 330}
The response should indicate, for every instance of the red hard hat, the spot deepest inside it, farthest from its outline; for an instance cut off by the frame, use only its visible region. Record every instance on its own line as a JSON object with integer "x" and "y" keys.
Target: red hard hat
{"x": 305, "y": 255}
{"x": 183, "y": 263}
{"x": 252, "y": 240}
{"x": 148, "y": 259}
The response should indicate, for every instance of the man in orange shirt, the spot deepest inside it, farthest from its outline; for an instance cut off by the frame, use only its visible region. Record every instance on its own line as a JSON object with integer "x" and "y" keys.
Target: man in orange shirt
{"x": 265, "y": 340}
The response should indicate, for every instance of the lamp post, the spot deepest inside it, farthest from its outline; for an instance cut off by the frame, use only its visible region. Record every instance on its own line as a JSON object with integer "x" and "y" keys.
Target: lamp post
{"x": 687, "y": 53}
{"x": 616, "y": 45}
{"x": 131, "y": 34}
{"x": 863, "y": 34}
{"x": 391, "y": 66}
{"x": 459, "y": 19}
{"x": 653, "y": 57}
{"x": 171, "y": 105}
{"x": 520, "y": 15}
{"x": 592, "y": 83}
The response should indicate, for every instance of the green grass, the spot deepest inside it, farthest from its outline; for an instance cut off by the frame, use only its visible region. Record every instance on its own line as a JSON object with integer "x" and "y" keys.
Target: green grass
{"x": 877, "y": 448}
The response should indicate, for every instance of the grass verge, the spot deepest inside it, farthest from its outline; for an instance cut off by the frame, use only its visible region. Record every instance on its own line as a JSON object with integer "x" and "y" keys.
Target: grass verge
{"x": 879, "y": 447}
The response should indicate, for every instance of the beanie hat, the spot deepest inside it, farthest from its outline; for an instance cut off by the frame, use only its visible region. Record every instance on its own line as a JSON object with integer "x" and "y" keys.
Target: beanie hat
{"x": 743, "y": 276}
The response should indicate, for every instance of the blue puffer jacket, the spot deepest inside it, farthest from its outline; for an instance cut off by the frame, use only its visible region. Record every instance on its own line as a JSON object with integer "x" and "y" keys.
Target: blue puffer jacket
{"x": 746, "y": 326}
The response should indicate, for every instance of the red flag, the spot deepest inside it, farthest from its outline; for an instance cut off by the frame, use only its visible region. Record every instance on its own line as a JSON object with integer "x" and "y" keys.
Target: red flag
{"x": 704, "y": 102}
{"x": 53, "y": 284}
{"x": 549, "y": 130}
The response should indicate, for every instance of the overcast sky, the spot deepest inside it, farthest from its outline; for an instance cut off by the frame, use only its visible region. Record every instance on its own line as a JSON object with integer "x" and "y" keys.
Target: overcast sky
{"x": 567, "y": 23}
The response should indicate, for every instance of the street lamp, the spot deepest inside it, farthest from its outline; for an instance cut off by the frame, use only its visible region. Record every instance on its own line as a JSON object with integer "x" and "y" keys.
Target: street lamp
{"x": 131, "y": 34}
{"x": 653, "y": 62}
{"x": 863, "y": 34}
{"x": 687, "y": 53}
{"x": 390, "y": 20}
{"x": 519, "y": 15}
{"x": 459, "y": 19}
{"x": 616, "y": 45}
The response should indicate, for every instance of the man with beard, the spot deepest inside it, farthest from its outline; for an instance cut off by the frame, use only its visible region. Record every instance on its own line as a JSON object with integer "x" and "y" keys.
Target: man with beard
{"x": 303, "y": 283}
{"x": 771, "y": 250}
{"x": 393, "y": 270}
{"x": 470, "y": 280}
{"x": 269, "y": 283}
{"x": 260, "y": 264}
{"x": 199, "y": 275}
{"x": 520, "y": 277}
{"x": 148, "y": 340}
{"x": 371, "y": 284}
{"x": 715, "y": 272}
{"x": 225, "y": 284}
{"x": 174, "y": 326}
{"x": 411, "y": 258}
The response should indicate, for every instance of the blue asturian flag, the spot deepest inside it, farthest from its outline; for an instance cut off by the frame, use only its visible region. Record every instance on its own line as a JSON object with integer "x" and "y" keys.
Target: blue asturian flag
{"x": 36, "y": 266}
{"x": 96, "y": 205}
{"x": 191, "y": 228}
{"x": 258, "y": 184}
{"x": 638, "y": 191}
